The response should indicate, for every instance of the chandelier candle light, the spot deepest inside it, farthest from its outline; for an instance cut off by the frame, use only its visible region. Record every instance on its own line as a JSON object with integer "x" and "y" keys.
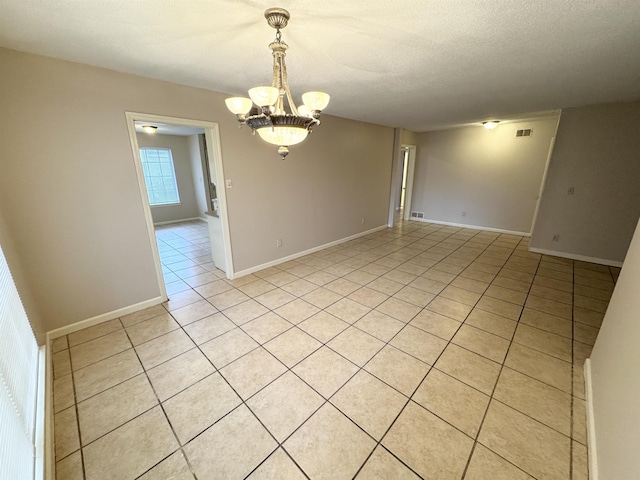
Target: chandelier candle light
{"x": 272, "y": 121}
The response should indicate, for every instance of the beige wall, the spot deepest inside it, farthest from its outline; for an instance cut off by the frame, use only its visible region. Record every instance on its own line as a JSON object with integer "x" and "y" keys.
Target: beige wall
{"x": 597, "y": 152}
{"x": 71, "y": 203}
{"x": 188, "y": 207}
{"x": 615, "y": 362}
{"x": 491, "y": 175}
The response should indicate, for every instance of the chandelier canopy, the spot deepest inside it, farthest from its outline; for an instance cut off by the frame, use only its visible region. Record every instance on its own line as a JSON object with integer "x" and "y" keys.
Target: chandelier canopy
{"x": 269, "y": 117}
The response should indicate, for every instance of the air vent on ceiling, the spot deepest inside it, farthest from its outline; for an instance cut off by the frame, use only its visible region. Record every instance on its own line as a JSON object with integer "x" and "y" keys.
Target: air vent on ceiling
{"x": 525, "y": 132}
{"x": 417, "y": 214}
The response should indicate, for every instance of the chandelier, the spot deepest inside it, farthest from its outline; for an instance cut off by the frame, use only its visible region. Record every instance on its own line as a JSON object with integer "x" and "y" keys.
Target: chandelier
{"x": 270, "y": 118}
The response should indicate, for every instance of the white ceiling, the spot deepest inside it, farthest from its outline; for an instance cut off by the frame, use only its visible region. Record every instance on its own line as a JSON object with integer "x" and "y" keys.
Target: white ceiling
{"x": 418, "y": 64}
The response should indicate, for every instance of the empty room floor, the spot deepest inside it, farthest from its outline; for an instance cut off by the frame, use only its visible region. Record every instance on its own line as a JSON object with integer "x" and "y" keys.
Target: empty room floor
{"x": 421, "y": 351}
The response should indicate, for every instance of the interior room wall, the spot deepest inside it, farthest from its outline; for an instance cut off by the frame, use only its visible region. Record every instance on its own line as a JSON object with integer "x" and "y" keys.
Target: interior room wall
{"x": 482, "y": 178}
{"x": 196, "y": 157}
{"x": 182, "y": 164}
{"x": 615, "y": 362}
{"x": 597, "y": 152}
{"x": 70, "y": 198}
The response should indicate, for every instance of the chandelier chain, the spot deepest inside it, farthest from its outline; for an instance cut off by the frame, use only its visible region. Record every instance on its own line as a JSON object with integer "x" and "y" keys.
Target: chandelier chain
{"x": 278, "y": 35}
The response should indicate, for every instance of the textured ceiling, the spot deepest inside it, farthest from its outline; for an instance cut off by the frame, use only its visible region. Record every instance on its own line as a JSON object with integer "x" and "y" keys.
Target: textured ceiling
{"x": 418, "y": 64}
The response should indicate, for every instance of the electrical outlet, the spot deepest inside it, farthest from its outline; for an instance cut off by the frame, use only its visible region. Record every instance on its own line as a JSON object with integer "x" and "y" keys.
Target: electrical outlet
{"x": 279, "y": 242}
{"x": 229, "y": 183}
{"x": 363, "y": 220}
{"x": 556, "y": 237}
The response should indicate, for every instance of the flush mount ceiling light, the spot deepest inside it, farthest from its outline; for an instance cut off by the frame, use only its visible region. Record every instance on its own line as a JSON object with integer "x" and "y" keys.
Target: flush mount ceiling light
{"x": 270, "y": 118}
{"x": 149, "y": 128}
{"x": 491, "y": 124}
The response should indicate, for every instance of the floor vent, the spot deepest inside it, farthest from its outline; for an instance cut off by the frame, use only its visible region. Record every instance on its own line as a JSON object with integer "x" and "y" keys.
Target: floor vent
{"x": 525, "y": 132}
{"x": 417, "y": 214}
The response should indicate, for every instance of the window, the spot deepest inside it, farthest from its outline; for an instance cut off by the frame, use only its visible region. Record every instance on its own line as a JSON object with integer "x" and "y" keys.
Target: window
{"x": 159, "y": 176}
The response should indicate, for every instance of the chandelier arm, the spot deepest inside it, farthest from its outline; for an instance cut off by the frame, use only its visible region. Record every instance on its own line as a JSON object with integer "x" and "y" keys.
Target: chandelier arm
{"x": 285, "y": 85}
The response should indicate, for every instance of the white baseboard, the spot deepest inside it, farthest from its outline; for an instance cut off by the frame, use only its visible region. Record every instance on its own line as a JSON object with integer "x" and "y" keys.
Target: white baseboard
{"x": 273, "y": 263}
{"x": 591, "y": 432}
{"x": 169, "y": 222}
{"x": 105, "y": 317}
{"x": 472, "y": 227}
{"x": 582, "y": 258}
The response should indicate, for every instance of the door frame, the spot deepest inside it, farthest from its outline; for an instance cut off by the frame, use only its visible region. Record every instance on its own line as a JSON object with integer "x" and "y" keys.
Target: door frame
{"x": 212, "y": 137}
{"x": 408, "y": 192}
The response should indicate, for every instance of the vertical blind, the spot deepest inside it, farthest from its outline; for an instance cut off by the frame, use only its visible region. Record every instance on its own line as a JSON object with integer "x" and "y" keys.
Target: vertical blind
{"x": 18, "y": 383}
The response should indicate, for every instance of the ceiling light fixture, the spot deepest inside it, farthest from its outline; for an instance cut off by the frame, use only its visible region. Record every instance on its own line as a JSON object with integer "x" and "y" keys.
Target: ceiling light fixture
{"x": 491, "y": 124}
{"x": 149, "y": 128}
{"x": 270, "y": 119}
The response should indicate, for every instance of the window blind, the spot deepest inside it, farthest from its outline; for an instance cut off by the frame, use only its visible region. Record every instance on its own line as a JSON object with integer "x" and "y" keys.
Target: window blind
{"x": 18, "y": 382}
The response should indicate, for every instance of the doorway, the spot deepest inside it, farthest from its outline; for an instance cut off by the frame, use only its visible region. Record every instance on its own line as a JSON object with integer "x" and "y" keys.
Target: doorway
{"x": 210, "y": 143}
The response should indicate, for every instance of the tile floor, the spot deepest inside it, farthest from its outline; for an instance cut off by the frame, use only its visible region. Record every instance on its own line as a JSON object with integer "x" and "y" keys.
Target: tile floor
{"x": 421, "y": 351}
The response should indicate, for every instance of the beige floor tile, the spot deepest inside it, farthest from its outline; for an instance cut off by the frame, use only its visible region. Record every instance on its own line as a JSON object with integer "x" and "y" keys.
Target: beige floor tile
{"x": 174, "y": 467}
{"x": 420, "y": 344}
{"x": 368, "y": 297}
{"x": 280, "y": 278}
{"x": 228, "y": 347}
{"x": 228, "y": 299}
{"x": 348, "y": 310}
{"x": 486, "y": 344}
{"x": 66, "y": 435}
{"x": 266, "y": 327}
{"x": 108, "y": 410}
{"x": 552, "y": 294}
{"x": 210, "y": 327}
{"x": 277, "y": 467}
{"x": 256, "y": 288}
{"x": 591, "y": 303}
{"x": 453, "y": 401}
{"x": 252, "y": 372}
{"x": 544, "y": 321}
{"x": 213, "y": 288}
{"x": 323, "y": 326}
{"x": 241, "y": 442}
{"x": 551, "y": 307}
{"x": 470, "y": 368}
{"x": 516, "y": 275}
{"x": 414, "y": 296}
{"x": 105, "y": 374}
{"x": 99, "y": 349}
{"x": 469, "y": 284}
{"x": 438, "y": 275}
{"x": 506, "y": 294}
{"x": 591, "y": 292}
{"x": 579, "y": 418}
{"x": 292, "y": 346}
{"x": 360, "y": 277}
{"x": 478, "y": 275}
{"x": 86, "y": 334}
{"x": 532, "y": 446}
{"x": 379, "y": 325}
{"x": 585, "y": 334}
{"x": 540, "y": 366}
{"x": 486, "y": 465}
{"x": 553, "y": 283}
{"x": 356, "y": 345}
{"x": 370, "y": 403}
{"x": 297, "y": 311}
{"x": 588, "y": 317}
{"x": 512, "y": 284}
{"x": 386, "y": 286}
{"x": 321, "y": 297}
{"x": 59, "y": 344}
{"x": 449, "y": 308}
{"x": 436, "y": 324}
{"x": 342, "y": 286}
{"x": 581, "y": 352}
{"x": 441, "y": 454}
{"x": 466, "y": 297}
{"x": 578, "y": 382}
{"x": 398, "y": 369}
{"x": 159, "y": 350}
{"x": 428, "y": 285}
{"x": 193, "y": 410}
{"x": 181, "y": 299}
{"x": 284, "y": 405}
{"x": 580, "y": 461}
{"x": 325, "y": 371}
{"x": 152, "y": 328}
{"x": 499, "y": 307}
{"x": 492, "y": 323}
{"x": 329, "y": 445}
{"x": 400, "y": 276}
{"x": 130, "y": 450}
{"x": 274, "y": 298}
{"x": 194, "y": 311}
{"x": 383, "y": 466}
{"x": 179, "y": 373}
{"x": 70, "y": 468}
{"x": 299, "y": 287}
{"x": 320, "y": 278}
{"x": 545, "y": 342}
{"x": 536, "y": 399}
{"x": 245, "y": 312}
{"x": 63, "y": 394}
{"x": 142, "y": 315}
{"x": 398, "y": 309}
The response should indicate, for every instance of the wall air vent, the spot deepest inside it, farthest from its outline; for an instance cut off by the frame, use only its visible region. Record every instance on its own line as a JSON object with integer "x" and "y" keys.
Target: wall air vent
{"x": 525, "y": 132}
{"x": 417, "y": 214}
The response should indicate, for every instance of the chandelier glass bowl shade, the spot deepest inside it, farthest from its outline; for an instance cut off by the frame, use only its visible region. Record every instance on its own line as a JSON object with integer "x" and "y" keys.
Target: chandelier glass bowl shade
{"x": 270, "y": 117}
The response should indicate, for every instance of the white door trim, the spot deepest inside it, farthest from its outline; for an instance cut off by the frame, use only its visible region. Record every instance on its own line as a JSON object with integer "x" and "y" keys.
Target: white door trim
{"x": 408, "y": 193}
{"x": 212, "y": 135}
